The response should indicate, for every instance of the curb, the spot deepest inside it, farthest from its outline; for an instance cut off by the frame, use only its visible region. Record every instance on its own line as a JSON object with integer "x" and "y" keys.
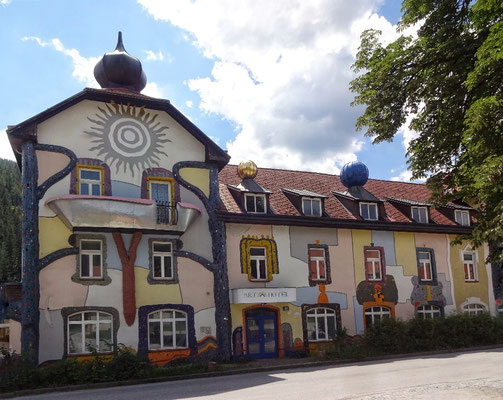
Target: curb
{"x": 239, "y": 371}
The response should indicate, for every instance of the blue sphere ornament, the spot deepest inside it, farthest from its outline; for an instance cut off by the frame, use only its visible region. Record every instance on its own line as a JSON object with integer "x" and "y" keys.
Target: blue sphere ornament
{"x": 354, "y": 173}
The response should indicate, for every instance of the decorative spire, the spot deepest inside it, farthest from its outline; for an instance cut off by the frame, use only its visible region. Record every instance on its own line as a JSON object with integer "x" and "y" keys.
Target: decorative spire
{"x": 119, "y": 69}
{"x": 354, "y": 173}
{"x": 247, "y": 170}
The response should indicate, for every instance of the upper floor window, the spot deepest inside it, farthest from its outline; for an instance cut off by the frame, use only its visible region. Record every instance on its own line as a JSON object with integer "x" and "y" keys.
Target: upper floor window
{"x": 167, "y": 329}
{"x": 90, "y": 180}
{"x": 258, "y": 267}
{"x": 90, "y": 331}
{"x": 462, "y": 217}
{"x": 470, "y": 266}
{"x": 318, "y": 265}
{"x": 91, "y": 259}
{"x": 374, "y": 264}
{"x": 311, "y": 207}
{"x": 420, "y": 214}
{"x": 160, "y": 189}
{"x": 368, "y": 211}
{"x": 321, "y": 324}
{"x": 428, "y": 312}
{"x": 425, "y": 266}
{"x": 162, "y": 260}
{"x": 474, "y": 309}
{"x": 255, "y": 203}
{"x": 376, "y": 314}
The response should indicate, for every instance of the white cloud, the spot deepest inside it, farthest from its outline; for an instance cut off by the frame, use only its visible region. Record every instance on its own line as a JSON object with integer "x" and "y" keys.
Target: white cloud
{"x": 404, "y": 176}
{"x": 83, "y": 68}
{"x": 152, "y": 89}
{"x": 5, "y": 3}
{"x": 189, "y": 103}
{"x": 281, "y": 73}
{"x": 5, "y": 148}
{"x": 151, "y": 56}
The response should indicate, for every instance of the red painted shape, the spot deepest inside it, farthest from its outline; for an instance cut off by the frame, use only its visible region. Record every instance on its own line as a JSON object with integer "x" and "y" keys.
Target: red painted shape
{"x": 128, "y": 279}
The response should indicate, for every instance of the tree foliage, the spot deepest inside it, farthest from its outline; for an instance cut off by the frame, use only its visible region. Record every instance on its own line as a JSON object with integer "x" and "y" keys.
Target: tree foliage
{"x": 10, "y": 217}
{"x": 449, "y": 79}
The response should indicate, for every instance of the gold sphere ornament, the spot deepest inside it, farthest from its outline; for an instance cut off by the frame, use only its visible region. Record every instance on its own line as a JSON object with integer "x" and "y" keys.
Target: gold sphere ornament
{"x": 247, "y": 170}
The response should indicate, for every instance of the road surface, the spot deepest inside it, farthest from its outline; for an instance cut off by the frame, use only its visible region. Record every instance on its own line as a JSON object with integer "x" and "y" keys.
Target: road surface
{"x": 459, "y": 376}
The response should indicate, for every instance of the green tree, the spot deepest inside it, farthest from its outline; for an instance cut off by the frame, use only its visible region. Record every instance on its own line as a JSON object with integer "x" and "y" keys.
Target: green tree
{"x": 10, "y": 219}
{"x": 449, "y": 79}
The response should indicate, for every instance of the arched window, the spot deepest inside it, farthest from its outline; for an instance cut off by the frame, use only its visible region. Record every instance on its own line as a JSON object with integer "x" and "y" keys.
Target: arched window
{"x": 474, "y": 309}
{"x": 376, "y": 314}
{"x": 321, "y": 324}
{"x": 167, "y": 329}
{"x": 90, "y": 331}
{"x": 428, "y": 312}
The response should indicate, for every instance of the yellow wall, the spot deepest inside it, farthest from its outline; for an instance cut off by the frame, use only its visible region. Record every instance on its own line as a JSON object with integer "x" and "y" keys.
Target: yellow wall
{"x": 462, "y": 289}
{"x": 147, "y": 294}
{"x": 53, "y": 235}
{"x": 361, "y": 238}
{"x": 199, "y": 177}
{"x": 405, "y": 251}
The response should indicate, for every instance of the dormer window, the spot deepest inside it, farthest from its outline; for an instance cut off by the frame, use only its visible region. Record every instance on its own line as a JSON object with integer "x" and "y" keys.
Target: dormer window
{"x": 462, "y": 217}
{"x": 420, "y": 214}
{"x": 368, "y": 211}
{"x": 311, "y": 207}
{"x": 255, "y": 203}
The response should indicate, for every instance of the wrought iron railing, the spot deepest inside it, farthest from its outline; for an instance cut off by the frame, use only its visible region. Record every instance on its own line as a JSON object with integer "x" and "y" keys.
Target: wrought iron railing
{"x": 166, "y": 212}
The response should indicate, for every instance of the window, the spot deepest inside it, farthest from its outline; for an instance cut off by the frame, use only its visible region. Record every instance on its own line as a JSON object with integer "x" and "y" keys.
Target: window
{"x": 368, "y": 211}
{"x": 474, "y": 309}
{"x": 500, "y": 310}
{"x": 167, "y": 329}
{"x": 162, "y": 260}
{"x": 470, "y": 267}
{"x": 425, "y": 266}
{"x": 321, "y": 324}
{"x": 90, "y": 180}
{"x": 428, "y": 312}
{"x": 258, "y": 264}
{"x": 91, "y": 259}
{"x": 90, "y": 331}
{"x": 160, "y": 189}
{"x": 376, "y": 314}
{"x": 420, "y": 214}
{"x": 462, "y": 217}
{"x": 311, "y": 207}
{"x": 255, "y": 203}
{"x": 317, "y": 264}
{"x": 374, "y": 264}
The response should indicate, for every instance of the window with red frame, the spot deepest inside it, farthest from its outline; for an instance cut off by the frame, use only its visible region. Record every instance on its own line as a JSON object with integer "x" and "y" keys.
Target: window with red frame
{"x": 374, "y": 264}
{"x": 317, "y": 264}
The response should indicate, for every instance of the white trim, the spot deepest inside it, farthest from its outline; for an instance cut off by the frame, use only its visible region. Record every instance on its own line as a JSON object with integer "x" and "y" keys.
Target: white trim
{"x": 162, "y": 254}
{"x": 373, "y": 261}
{"x": 255, "y": 195}
{"x": 82, "y": 323}
{"x": 311, "y": 199}
{"x": 423, "y": 263}
{"x": 460, "y": 219}
{"x": 368, "y": 204}
{"x": 449, "y": 267}
{"x": 159, "y": 182}
{"x": 257, "y": 259}
{"x": 432, "y": 310}
{"x": 372, "y": 313}
{"x": 317, "y": 259}
{"x": 473, "y": 262}
{"x": 490, "y": 288}
{"x": 473, "y": 300}
{"x": 90, "y": 182}
{"x": 419, "y": 214}
{"x": 320, "y": 313}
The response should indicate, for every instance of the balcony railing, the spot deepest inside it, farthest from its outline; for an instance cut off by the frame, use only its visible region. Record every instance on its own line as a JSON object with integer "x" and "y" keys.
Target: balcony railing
{"x": 166, "y": 212}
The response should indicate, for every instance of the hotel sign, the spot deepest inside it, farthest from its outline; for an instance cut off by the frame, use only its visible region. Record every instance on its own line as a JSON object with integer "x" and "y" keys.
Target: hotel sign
{"x": 263, "y": 295}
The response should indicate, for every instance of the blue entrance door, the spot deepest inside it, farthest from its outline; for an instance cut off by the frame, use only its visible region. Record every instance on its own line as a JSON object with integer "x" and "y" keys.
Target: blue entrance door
{"x": 261, "y": 333}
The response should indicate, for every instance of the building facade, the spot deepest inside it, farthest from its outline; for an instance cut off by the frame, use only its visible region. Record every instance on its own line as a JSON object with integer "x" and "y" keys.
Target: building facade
{"x": 136, "y": 232}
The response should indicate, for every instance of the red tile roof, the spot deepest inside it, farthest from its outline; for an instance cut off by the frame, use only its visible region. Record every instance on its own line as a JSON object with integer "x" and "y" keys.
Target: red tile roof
{"x": 324, "y": 184}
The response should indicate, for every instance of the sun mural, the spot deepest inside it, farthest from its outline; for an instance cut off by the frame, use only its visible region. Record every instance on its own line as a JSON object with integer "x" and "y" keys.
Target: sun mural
{"x": 128, "y": 136}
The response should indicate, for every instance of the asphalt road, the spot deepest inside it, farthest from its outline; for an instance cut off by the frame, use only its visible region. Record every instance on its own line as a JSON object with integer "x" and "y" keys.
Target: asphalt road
{"x": 459, "y": 376}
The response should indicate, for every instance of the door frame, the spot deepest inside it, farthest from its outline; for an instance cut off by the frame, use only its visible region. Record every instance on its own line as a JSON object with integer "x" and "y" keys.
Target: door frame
{"x": 279, "y": 339}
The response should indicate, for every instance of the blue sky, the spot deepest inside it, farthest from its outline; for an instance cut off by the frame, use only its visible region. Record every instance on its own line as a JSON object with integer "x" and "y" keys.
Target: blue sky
{"x": 267, "y": 80}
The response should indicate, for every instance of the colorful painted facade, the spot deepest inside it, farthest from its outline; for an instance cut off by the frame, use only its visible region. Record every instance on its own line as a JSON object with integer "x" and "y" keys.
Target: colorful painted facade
{"x": 136, "y": 232}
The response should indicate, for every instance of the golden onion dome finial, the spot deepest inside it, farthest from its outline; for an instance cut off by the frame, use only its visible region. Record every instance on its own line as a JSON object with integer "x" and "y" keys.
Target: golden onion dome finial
{"x": 247, "y": 170}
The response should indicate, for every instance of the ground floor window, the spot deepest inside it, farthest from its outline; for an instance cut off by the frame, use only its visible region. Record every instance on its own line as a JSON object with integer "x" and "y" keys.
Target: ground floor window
{"x": 321, "y": 324}
{"x": 167, "y": 329}
{"x": 428, "y": 312}
{"x": 474, "y": 309}
{"x": 376, "y": 314}
{"x": 90, "y": 331}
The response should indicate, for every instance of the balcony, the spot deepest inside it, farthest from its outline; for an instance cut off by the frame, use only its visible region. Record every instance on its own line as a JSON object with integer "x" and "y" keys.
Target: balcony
{"x": 82, "y": 211}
